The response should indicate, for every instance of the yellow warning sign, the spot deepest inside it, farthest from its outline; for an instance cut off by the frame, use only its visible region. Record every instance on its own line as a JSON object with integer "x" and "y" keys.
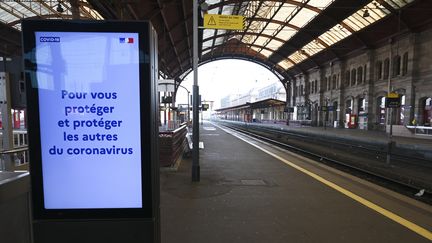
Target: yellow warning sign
{"x": 226, "y": 22}
{"x": 393, "y": 95}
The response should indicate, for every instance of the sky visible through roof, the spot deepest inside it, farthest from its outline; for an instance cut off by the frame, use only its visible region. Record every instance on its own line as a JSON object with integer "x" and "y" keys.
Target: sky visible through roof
{"x": 224, "y": 77}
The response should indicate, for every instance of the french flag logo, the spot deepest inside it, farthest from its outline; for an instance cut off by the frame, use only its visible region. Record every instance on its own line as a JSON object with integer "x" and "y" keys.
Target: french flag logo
{"x": 126, "y": 40}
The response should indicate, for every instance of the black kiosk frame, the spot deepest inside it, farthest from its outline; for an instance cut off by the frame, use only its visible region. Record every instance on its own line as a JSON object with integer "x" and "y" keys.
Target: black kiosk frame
{"x": 87, "y": 225}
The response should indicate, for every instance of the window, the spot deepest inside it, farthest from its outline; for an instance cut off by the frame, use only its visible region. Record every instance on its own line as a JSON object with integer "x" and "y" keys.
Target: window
{"x": 364, "y": 73}
{"x": 402, "y": 111}
{"x": 316, "y": 86}
{"x": 362, "y": 105}
{"x": 386, "y": 68}
{"x": 325, "y": 84}
{"x": 378, "y": 70}
{"x": 381, "y": 110}
{"x": 396, "y": 65}
{"x": 334, "y": 84}
{"x": 347, "y": 78}
{"x": 405, "y": 63}
{"x": 353, "y": 76}
{"x": 359, "y": 75}
{"x": 329, "y": 83}
{"x": 348, "y": 106}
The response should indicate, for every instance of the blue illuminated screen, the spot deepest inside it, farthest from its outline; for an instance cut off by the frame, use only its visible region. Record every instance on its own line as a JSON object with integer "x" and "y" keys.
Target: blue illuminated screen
{"x": 88, "y": 86}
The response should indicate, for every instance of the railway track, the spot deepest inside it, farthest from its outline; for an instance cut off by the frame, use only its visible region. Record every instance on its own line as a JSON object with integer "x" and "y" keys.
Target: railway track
{"x": 365, "y": 161}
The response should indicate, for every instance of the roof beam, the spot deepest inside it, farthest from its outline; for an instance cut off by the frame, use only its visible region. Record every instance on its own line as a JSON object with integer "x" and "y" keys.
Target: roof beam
{"x": 216, "y": 32}
{"x": 336, "y": 12}
{"x": 393, "y": 11}
{"x": 187, "y": 32}
{"x": 250, "y": 22}
{"x": 226, "y": 34}
{"x": 292, "y": 2}
{"x": 164, "y": 19}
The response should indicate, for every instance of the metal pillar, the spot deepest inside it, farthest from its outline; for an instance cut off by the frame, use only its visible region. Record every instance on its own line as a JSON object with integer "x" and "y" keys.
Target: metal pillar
{"x": 389, "y": 110}
{"x": 195, "y": 129}
{"x": 9, "y": 163}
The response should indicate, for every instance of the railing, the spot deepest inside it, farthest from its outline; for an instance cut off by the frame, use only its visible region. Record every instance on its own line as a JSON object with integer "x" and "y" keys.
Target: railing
{"x": 421, "y": 130}
{"x": 170, "y": 126}
{"x": 19, "y": 155}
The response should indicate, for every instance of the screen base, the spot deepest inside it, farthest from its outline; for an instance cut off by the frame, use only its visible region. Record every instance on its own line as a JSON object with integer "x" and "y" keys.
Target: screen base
{"x": 93, "y": 231}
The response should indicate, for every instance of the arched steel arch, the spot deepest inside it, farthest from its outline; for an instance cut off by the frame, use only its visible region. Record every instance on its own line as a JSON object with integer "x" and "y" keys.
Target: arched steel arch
{"x": 279, "y": 73}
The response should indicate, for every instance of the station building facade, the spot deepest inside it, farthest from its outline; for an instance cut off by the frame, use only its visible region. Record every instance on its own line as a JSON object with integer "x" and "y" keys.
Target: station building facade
{"x": 355, "y": 89}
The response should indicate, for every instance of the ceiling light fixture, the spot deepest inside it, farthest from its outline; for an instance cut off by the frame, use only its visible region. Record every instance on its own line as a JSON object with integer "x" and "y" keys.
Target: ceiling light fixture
{"x": 59, "y": 8}
{"x": 366, "y": 14}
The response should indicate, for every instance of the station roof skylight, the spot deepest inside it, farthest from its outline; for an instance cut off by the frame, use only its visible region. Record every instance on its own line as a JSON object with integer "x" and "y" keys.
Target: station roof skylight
{"x": 11, "y": 12}
{"x": 270, "y": 23}
{"x": 369, "y": 14}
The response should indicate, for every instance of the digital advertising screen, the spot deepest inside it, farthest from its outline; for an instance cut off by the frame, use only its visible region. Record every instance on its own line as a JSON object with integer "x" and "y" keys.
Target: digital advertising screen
{"x": 89, "y": 111}
{"x": 91, "y": 102}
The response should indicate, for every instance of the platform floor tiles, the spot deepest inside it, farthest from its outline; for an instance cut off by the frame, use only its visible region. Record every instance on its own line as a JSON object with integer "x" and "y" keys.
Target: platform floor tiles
{"x": 247, "y": 195}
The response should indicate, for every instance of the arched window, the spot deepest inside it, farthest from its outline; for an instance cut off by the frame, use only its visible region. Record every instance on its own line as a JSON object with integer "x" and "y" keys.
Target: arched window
{"x": 378, "y": 70}
{"x": 405, "y": 63}
{"x": 334, "y": 84}
{"x": 386, "y": 68}
{"x": 325, "y": 84}
{"x": 427, "y": 112}
{"x": 361, "y": 106}
{"x": 381, "y": 110}
{"x": 402, "y": 111}
{"x": 364, "y": 73}
{"x": 347, "y": 78}
{"x": 359, "y": 75}
{"x": 353, "y": 76}
{"x": 396, "y": 65}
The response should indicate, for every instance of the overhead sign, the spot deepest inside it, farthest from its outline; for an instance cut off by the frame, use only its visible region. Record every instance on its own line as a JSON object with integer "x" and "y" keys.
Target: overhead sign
{"x": 393, "y": 95}
{"x": 167, "y": 99}
{"x": 324, "y": 108}
{"x": 226, "y": 22}
{"x": 393, "y": 100}
{"x": 205, "y": 107}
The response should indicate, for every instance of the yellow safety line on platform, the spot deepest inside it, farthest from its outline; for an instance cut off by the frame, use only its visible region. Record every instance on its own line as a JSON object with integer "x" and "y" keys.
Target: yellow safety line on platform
{"x": 398, "y": 219}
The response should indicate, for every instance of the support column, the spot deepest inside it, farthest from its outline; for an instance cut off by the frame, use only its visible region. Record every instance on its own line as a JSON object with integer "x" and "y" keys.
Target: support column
{"x": 5, "y": 103}
{"x": 195, "y": 130}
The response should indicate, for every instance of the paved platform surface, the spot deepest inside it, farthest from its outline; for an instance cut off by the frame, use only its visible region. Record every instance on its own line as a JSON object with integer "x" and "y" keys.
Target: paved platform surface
{"x": 246, "y": 195}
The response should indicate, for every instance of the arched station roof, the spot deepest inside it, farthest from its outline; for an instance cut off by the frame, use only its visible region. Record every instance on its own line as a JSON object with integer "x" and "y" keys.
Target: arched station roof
{"x": 288, "y": 37}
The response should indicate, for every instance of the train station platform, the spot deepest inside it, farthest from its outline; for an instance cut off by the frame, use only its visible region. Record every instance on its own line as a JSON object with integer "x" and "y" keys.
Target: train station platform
{"x": 253, "y": 192}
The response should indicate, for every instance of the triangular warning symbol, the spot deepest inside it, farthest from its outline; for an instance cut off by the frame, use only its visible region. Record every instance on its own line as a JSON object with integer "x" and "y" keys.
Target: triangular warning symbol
{"x": 211, "y": 21}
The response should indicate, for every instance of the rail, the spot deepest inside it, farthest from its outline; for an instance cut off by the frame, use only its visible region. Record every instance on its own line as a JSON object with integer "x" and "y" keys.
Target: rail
{"x": 409, "y": 185}
{"x": 16, "y": 158}
{"x": 19, "y": 157}
{"x": 421, "y": 130}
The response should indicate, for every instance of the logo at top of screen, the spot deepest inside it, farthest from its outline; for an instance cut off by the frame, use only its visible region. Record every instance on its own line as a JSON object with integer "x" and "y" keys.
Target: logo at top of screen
{"x": 49, "y": 39}
{"x": 126, "y": 40}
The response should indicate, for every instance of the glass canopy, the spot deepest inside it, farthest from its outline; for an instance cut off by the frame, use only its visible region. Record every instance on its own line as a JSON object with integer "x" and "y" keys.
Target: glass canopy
{"x": 270, "y": 24}
{"x": 11, "y": 12}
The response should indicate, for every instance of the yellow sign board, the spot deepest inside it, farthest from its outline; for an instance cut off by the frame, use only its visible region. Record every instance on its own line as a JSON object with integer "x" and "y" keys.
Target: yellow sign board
{"x": 226, "y": 22}
{"x": 393, "y": 95}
